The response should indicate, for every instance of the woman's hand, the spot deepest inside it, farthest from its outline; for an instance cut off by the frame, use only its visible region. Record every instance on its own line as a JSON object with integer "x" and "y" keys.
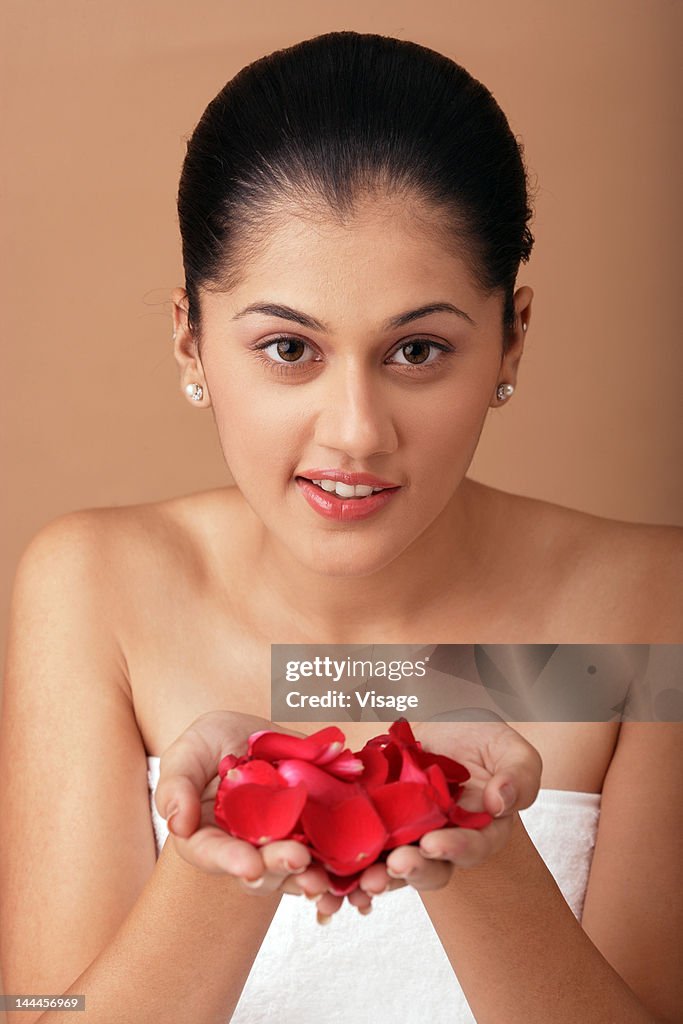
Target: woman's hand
{"x": 505, "y": 773}
{"x": 185, "y": 796}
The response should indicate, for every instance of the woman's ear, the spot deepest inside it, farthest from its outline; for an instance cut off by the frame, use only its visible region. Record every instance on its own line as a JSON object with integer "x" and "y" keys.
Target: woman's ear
{"x": 515, "y": 337}
{"x": 186, "y": 353}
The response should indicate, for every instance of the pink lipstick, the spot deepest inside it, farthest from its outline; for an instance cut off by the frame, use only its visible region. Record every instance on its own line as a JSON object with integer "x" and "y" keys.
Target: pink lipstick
{"x": 345, "y": 508}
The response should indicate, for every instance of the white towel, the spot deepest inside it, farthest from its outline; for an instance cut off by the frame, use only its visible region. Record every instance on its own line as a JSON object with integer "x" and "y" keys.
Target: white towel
{"x": 363, "y": 970}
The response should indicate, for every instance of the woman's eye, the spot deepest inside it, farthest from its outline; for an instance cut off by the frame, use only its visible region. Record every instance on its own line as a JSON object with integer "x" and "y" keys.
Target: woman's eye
{"x": 288, "y": 350}
{"x": 417, "y": 353}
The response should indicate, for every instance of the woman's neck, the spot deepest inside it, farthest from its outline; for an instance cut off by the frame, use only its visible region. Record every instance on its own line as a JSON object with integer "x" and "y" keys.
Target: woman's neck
{"x": 440, "y": 569}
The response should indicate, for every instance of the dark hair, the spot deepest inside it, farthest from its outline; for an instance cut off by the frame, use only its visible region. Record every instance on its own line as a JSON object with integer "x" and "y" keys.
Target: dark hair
{"x": 338, "y": 116}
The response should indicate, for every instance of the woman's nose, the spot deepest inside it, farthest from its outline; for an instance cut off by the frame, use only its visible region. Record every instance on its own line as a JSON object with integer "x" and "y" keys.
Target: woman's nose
{"x": 354, "y": 415}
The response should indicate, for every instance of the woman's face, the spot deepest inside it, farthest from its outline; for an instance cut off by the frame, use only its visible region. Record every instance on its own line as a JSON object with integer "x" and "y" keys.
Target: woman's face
{"x": 345, "y": 370}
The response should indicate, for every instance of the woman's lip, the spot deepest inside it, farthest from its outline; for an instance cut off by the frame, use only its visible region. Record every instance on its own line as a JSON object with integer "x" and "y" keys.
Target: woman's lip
{"x": 331, "y": 506}
{"x": 367, "y": 479}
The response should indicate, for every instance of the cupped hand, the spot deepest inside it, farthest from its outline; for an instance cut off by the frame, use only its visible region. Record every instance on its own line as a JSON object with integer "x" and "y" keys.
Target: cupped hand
{"x": 505, "y": 776}
{"x": 185, "y": 796}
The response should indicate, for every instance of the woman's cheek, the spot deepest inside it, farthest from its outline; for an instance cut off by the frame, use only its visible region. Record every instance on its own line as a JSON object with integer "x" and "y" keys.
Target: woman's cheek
{"x": 257, "y": 435}
{"x": 450, "y": 429}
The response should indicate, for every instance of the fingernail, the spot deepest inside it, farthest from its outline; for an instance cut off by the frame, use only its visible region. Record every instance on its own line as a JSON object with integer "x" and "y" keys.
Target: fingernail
{"x": 169, "y": 820}
{"x": 399, "y": 875}
{"x": 294, "y": 871}
{"x": 433, "y": 854}
{"x": 376, "y": 892}
{"x": 323, "y": 918}
{"x": 314, "y": 897}
{"x": 508, "y": 797}
{"x": 254, "y": 883}
{"x": 365, "y": 910}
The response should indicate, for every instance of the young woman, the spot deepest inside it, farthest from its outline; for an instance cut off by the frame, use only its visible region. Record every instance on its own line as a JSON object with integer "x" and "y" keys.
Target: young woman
{"x": 354, "y": 211}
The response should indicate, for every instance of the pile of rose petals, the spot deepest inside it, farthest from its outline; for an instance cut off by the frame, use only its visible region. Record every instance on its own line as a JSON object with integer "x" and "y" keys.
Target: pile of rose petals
{"x": 349, "y": 809}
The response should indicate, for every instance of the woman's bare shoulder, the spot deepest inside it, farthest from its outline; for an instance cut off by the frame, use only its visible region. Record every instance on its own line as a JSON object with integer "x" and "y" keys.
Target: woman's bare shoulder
{"x": 622, "y": 578}
{"x": 627, "y": 549}
{"x": 139, "y": 545}
{"x": 627, "y": 576}
{"x": 191, "y": 514}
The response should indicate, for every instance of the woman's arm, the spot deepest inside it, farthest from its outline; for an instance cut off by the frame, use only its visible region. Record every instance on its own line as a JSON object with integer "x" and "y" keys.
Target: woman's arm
{"x": 517, "y": 949}
{"x": 182, "y": 953}
{"x": 86, "y": 908}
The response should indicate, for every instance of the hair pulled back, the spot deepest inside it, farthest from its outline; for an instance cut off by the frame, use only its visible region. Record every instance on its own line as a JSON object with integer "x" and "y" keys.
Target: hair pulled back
{"x": 342, "y": 115}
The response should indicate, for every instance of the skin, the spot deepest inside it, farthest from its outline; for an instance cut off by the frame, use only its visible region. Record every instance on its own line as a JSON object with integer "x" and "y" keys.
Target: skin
{"x": 445, "y": 543}
{"x": 171, "y": 607}
{"x": 354, "y": 402}
{"x": 367, "y": 407}
{"x": 495, "y": 755}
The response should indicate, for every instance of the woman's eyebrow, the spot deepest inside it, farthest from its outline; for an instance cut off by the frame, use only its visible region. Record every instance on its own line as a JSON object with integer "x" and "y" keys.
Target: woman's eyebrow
{"x": 287, "y": 313}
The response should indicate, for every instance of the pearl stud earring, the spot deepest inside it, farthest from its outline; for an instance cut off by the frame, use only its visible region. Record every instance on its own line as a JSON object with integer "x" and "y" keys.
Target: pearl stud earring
{"x": 194, "y": 391}
{"x": 503, "y": 391}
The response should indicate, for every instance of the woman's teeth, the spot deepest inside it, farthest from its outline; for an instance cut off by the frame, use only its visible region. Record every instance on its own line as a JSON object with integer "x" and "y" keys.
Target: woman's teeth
{"x": 346, "y": 490}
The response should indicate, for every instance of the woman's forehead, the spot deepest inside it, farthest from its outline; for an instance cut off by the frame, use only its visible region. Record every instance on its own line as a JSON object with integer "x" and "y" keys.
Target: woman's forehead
{"x": 401, "y": 216}
{"x": 384, "y": 246}
{"x": 352, "y": 301}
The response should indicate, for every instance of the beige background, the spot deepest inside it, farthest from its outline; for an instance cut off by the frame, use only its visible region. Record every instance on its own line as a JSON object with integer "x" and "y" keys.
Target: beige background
{"x": 98, "y": 101}
{"x": 98, "y": 98}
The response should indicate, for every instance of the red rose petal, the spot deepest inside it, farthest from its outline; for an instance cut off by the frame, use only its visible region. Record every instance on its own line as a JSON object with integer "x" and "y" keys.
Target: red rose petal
{"x": 341, "y": 886}
{"x": 442, "y": 793}
{"x": 393, "y": 755}
{"x": 376, "y": 767}
{"x": 319, "y": 785}
{"x": 402, "y": 734}
{"x": 410, "y": 771}
{"x": 331, "y": 742}
{"x": 319, "y": 747}
{"x": 453, "y": 770}
{"x": 408, "y": 810}
{"x": 260, "y": 773}
{"x": 347, "y": 836}
{"x": 259, "y": 814}
{"x": 347, "y": 808}
{"x": 346, "y": 765}
{"x": 226, "y": 763}
{"x": 379, "y": 741}
{"x": 254, "y": 736}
